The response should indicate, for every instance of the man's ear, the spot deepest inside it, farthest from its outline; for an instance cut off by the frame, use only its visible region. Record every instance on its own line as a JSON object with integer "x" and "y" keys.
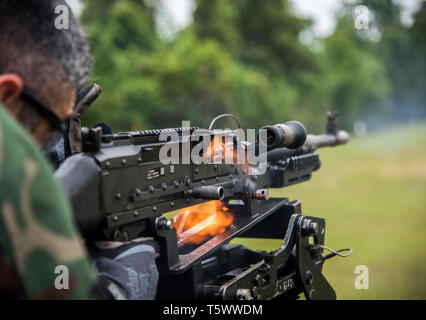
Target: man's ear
{"x": 11, "y": 86}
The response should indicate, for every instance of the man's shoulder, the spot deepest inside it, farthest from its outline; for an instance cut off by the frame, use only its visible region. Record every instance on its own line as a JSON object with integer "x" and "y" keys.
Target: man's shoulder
{"x": 19, "y": 157}
{"x": 26, "y": 178}
{"x": 37, "y": 232}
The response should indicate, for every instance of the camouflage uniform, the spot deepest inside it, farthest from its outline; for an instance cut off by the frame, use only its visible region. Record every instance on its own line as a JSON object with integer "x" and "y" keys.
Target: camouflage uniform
{"x": 37, "y": 232}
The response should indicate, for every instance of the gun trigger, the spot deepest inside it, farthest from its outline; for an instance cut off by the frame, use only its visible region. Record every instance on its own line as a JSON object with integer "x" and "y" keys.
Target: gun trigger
{"x": 333, "y": 253}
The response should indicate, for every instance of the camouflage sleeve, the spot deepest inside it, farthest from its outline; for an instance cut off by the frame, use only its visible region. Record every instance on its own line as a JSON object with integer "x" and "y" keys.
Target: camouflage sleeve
{"x": 41, "y": 255}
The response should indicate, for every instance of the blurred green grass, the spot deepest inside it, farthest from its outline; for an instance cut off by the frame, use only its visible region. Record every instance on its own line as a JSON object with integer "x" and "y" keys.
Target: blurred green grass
{"x": 372, "y": 194}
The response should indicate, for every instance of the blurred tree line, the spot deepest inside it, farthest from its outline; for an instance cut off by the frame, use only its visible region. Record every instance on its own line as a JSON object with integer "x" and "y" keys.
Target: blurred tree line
{"x": 245, "y": 57}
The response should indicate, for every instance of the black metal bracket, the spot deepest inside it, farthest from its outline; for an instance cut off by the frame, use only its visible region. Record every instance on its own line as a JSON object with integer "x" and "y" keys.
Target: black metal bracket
{"x": 310, "y": 259}
{"x": 217, "y": 270}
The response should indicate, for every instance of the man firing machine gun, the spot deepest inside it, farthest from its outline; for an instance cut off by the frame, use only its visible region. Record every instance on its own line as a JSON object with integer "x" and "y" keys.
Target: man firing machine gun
{"x": 128, "y": 188}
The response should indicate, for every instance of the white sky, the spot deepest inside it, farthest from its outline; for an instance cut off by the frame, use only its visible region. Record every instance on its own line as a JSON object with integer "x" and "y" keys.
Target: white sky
{"x": 179, "y": 12}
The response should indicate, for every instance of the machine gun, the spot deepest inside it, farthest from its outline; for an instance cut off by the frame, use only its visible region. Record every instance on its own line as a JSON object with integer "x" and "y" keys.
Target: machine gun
{"x": 130, "y": 189}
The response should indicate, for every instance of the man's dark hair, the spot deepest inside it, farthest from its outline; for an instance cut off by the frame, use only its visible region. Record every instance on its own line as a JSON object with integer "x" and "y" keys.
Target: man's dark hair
{"x": 46, "y": 58}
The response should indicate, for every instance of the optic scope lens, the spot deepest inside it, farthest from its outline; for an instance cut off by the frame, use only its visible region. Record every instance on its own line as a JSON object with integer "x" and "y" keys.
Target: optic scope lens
{"x": 290, "y": 135}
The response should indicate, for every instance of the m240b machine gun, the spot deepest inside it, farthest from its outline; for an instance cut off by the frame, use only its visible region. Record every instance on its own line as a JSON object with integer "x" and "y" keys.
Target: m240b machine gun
{"x": 128, "y": 190}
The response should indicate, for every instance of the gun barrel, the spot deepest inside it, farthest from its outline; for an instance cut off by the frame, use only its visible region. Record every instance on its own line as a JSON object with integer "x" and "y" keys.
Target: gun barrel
{"x": 327, "y": 140}
{"x": 312, "y": 143}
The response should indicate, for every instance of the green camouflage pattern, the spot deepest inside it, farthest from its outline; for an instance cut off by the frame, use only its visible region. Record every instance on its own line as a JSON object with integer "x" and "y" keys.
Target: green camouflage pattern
{"x": 37, "y": 231}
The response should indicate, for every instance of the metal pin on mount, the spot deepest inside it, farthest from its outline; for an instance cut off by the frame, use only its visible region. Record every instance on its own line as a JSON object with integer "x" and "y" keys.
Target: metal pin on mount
{"x": 333, "y": 252}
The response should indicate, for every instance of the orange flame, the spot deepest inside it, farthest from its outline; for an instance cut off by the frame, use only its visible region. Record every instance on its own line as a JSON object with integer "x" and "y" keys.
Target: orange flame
{"x": 219, "y": 150}
{"x": 223, "y": 151}
{"x": 197, "y": 223}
